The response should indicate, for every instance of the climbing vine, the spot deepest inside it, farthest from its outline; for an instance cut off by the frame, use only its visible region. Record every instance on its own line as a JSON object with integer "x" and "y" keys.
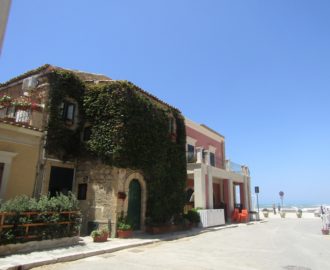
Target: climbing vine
{"x": 131, "y": 130}
{"x": 64, "y": 141}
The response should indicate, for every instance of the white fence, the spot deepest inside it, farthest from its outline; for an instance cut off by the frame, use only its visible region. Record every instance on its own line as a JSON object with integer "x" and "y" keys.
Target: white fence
{"x": 212, "y": 217}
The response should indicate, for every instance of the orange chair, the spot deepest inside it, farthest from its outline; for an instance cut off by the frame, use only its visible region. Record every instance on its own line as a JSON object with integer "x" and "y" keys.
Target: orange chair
{"x": 235, "y": 216}
{"x": 244, "y": 216}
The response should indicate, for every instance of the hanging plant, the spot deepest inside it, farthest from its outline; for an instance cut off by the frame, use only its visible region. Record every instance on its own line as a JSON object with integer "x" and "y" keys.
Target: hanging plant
{"x": 21, "y": 104}
{"x": 5, "y": 100}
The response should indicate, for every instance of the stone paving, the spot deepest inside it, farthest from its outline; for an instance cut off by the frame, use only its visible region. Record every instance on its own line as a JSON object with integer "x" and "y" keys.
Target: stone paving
{"x": 87, "y": 248}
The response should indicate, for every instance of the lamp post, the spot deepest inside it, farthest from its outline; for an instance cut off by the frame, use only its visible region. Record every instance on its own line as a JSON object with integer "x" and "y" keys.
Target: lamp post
{"x": 256, "y": 190}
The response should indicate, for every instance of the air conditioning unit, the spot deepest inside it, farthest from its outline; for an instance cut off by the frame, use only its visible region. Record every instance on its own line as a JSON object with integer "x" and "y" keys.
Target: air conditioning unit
{"x": 30, "y": 83}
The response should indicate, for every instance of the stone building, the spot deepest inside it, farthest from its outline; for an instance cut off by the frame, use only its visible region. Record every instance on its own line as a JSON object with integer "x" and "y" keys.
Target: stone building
{"x": 26, "y": 167}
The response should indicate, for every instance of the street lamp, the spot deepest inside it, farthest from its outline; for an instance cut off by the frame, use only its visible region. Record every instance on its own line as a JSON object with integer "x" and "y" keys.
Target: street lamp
{"x": 256, "y": 190}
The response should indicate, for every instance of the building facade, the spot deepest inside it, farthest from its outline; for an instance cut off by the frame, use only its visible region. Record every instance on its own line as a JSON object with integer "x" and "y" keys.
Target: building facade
{"x": 36, "y": 158}
{"x": 213, "y": 181}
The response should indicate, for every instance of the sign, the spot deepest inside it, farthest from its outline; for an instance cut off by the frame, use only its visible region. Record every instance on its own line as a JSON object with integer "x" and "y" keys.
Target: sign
{"x": 256, "y": 189}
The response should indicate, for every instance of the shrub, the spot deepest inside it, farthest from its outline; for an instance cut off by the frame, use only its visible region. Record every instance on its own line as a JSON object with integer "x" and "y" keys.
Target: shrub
{"x": 100, "y": 232}
{"x": 47, "y": 211}
{"x": 123, "y": 224}
{"x": 193, "y": 216}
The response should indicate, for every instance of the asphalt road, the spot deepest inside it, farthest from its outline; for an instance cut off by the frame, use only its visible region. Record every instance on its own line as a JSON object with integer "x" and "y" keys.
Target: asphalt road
{"x": 289, "y": 244}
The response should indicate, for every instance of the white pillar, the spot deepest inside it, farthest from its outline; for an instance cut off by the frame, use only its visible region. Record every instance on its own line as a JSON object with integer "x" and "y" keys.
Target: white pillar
{"x": 199, "y": 154}
{"x": 230, "y": 196}
{"x": 199, "y": 188}
{"x": 210, "y": 187}
{"x": 246, "y": 193}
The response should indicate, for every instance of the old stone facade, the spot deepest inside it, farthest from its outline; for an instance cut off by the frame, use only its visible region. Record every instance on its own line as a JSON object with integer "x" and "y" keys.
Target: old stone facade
{"x": 103, "y": 204}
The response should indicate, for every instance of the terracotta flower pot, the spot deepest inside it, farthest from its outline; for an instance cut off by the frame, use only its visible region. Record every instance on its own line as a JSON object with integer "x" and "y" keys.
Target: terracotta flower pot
{"x": 124, "y": 233}
{"x": 101, "y": 238}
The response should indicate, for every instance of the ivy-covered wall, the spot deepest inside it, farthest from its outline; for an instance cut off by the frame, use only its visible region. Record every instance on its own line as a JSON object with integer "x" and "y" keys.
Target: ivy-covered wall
{"x": 64, "y": 141}
{"x": 129, "y": 129}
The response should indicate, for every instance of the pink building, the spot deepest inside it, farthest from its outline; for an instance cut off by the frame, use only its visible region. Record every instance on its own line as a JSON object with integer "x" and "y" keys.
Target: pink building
{"x": 214, "y": 182}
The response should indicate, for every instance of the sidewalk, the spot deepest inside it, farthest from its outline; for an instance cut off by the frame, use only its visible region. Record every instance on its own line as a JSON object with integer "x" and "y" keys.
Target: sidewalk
{"x": 87, "y": 248}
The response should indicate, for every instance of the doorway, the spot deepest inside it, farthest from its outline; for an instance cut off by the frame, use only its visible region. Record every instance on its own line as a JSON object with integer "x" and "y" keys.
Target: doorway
{"x": 134, "y": 204}
{"x": 60, "y": 181}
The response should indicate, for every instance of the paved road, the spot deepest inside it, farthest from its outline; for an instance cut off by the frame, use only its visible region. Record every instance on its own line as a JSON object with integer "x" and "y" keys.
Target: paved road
{"x": 289, "y": 244}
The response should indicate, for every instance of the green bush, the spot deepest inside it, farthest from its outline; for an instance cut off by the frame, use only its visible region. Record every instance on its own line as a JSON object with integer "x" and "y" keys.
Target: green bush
{"x": 123, "y": 224}
{"x": 193, "y": 216}
{"x": 48, "y": 210}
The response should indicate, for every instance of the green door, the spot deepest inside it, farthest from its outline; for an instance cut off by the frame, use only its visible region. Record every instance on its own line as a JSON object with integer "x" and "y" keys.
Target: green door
{"x": 134, "y": 204}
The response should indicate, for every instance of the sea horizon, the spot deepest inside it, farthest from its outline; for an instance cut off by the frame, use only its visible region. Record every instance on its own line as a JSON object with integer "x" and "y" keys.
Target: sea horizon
{"x": 294, "y": 205}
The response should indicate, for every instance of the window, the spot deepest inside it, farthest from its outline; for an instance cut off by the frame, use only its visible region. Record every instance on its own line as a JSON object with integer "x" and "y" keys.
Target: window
{"x": 191, "y": 153}
{"x": 212, "y": 159}
{"x": 172, "y": 128}
{"x": 60, "y": 181}
{"x": 87, "y": 133}
{"x": 82, "y": 192}
{"x": 67, "y": 110}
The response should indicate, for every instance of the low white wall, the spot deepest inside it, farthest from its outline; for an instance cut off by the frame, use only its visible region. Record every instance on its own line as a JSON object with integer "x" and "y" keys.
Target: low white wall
{"x": 212, "y": 217}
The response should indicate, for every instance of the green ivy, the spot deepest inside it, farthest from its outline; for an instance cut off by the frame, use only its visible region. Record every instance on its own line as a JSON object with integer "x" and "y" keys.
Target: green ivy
{"x": 131, "y": 130}
{"x": 62, "y": 141}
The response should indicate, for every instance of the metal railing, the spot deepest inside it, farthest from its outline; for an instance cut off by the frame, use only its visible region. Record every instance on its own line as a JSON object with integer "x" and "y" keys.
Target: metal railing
{"x": 234, "y": 167}
{"x": 26, "y": 116}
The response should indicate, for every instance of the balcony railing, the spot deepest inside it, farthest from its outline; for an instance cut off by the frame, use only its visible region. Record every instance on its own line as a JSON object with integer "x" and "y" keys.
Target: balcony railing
{"x": 24, "y": 116}
{"x": 233, "y": 167}
{"x": 202, "y": 156}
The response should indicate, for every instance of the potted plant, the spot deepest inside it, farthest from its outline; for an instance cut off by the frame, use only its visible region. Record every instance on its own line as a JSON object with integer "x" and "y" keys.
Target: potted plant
{"x": 21, "y": 104}
{"x": 5, "y": 101}
{"x": 265, "y": 212}
{"x": 299, "y": 213}
{"x": 282, "y": 214}
{"x": 124, "y": 229}
{"x": 100, "y": 235}
{"x": 193, "y": 217}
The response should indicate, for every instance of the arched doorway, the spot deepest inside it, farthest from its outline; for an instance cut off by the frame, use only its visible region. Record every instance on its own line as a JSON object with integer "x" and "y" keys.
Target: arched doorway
{"x": 134, "y": 204}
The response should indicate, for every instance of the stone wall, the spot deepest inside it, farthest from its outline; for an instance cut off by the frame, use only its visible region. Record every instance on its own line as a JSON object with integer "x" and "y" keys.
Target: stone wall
{"x": 102, "y": 204}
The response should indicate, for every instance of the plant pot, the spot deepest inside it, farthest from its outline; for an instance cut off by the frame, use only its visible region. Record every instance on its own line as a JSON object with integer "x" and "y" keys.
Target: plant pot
{"x": 5, "y": 103}
{"x": 121, "y": 195}
{"x": 265, "y": 214}
{"x": 325, "y": 231}
{"x": 124, "y": 233}
{"x": 299, "y": 215}
{"x": 282, "y": 214}
{"x": 101, "y": 238}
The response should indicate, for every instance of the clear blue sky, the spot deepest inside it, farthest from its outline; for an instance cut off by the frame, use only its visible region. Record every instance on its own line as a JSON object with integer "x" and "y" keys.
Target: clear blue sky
{"x": 256, "y": 71}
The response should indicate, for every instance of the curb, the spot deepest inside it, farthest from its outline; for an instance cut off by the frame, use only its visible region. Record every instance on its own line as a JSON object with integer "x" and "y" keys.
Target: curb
{"x": 81, "y": 255}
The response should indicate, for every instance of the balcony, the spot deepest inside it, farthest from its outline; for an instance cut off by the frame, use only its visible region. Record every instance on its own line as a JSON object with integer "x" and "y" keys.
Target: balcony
{"x": 21, "y": 116}
{"x": 237, "y": 168}
{"x": 202, "y": 156}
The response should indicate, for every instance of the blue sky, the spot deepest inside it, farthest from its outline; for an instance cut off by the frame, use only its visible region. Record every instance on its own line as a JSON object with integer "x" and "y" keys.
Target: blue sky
{"x": 255, "y": 71}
